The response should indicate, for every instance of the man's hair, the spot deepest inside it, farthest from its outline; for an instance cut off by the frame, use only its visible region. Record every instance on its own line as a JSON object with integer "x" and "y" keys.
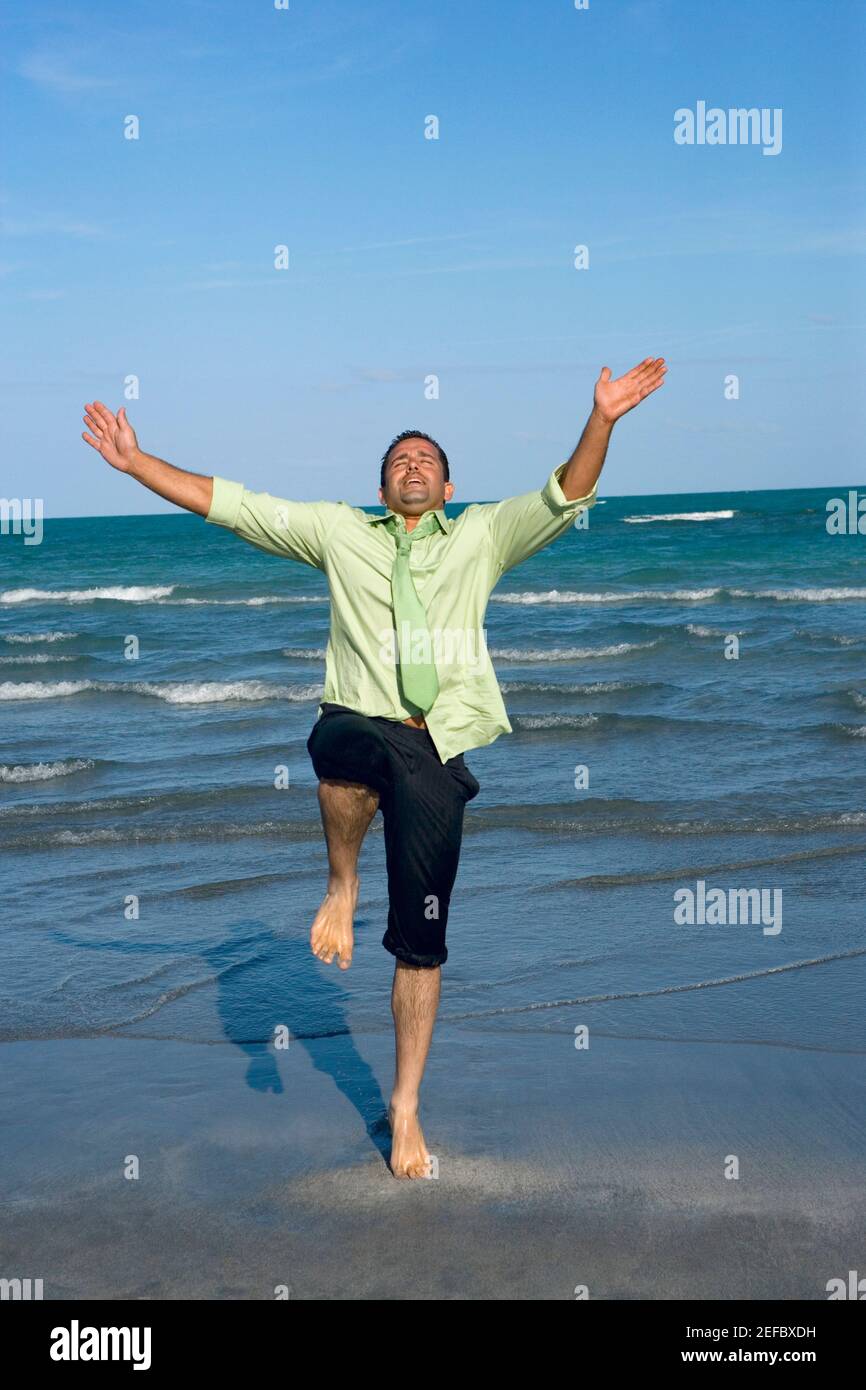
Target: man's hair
{"x": 413, "y": 434}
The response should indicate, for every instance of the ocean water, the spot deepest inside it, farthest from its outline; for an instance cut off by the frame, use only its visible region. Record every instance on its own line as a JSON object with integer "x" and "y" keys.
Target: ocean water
{"x": 156, "y": 882}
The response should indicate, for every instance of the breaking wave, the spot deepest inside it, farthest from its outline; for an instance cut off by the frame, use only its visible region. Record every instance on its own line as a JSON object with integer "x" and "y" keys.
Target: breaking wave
{"x": 173, "y": 692}
{"x": 43, "y": 772}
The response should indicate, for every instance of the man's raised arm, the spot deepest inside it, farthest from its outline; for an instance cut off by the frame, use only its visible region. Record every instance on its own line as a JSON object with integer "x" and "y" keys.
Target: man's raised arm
{"x": 113, "y": 437}
{"x": 293, "y": 530}
{"x": 521, "y": 526}
{"x": 612, "y": 399}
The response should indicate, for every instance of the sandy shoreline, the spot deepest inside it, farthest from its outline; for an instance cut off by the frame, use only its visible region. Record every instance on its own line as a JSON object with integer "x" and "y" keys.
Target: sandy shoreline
{"x": 556, "y": 1168}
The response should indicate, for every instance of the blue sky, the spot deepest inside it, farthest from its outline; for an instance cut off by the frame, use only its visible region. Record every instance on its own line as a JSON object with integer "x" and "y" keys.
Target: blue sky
{"x": 411, "y": 257}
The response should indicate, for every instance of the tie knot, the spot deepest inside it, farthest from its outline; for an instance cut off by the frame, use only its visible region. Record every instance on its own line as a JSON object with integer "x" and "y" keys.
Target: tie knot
{"x": 404, "y": 538}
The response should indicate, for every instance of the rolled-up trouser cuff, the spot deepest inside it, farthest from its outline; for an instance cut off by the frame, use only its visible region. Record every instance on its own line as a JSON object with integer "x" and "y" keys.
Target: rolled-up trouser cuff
{"x": 410, "y": 958}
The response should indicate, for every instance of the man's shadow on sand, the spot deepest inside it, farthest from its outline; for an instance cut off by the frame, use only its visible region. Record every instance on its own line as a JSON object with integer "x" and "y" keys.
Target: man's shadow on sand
{"x": 264, "y": 982}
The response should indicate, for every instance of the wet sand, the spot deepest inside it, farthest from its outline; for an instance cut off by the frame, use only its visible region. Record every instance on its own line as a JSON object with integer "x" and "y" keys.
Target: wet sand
{"x": 556, "y": 1169}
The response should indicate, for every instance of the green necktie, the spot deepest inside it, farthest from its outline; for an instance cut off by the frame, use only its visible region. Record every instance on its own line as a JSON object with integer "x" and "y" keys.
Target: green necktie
{"x": 417, "y": 669}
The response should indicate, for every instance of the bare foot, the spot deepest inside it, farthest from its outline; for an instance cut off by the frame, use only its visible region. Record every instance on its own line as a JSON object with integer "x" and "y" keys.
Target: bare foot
{"x": 409, "y": 1156}
{"x": 331, "y": 934}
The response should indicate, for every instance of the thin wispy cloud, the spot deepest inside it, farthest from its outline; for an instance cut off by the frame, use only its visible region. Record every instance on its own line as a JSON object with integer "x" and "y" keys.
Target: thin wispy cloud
{"x": 63, "y": 73}
{"x": 411, "y": 241}
{"x": 265, "y": 282}
{"x": 483, "y": 266}
{"x": 394, "y": 376}
{"x": 746, "y": 239}
{"x": 51, "y": 226}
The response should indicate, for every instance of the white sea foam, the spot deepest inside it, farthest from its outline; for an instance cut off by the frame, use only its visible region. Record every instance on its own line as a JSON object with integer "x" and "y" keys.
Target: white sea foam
{"x": 140, "y": 593}
{"x": 698, "y": 631}
{"x": 309, "y": 653}
{"x": 42, "y": 772}
{"x": 529, "y": 654}
{"x": 43, "y": 690}
{"x": 174, "y": 693}
{"x": 39, "y": 660}
{"x": 592, "y": 688}
{"x": 828, "y": 595}
{"x": 682, "y": 516}
{"x": 800, "y": 595}
{"x": 211, "y": 692}
{"x": 122, "y": 593}
{"x": 556, "y": 721}
{"x": 631, "y": 596}
{"x": 257, "y": 602}
{"x": 39, "y": 636}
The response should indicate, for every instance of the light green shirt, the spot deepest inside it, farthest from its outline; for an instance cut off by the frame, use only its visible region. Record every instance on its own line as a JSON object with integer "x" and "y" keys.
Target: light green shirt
{"x": 454, "y": 570}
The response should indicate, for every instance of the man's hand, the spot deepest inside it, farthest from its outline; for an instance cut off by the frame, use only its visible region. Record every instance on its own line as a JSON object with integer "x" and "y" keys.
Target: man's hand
{"x": 111, "y": 436}
{"x": 614, "y": 398}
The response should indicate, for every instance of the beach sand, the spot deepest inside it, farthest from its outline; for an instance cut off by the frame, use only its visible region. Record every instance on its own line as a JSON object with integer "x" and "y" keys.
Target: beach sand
{"x": 557, "y": 1168}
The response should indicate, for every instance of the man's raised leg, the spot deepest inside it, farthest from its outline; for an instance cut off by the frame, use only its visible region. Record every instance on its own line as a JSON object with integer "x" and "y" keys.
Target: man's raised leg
{"x": 414, "y": 1001}
{"x": 347, "y": 809}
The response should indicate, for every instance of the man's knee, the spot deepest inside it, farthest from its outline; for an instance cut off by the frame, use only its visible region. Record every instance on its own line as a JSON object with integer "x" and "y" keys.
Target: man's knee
{"x": 337, "y": 789}
{"x": 347, "y": 807}
{"x": 405, "y": 965}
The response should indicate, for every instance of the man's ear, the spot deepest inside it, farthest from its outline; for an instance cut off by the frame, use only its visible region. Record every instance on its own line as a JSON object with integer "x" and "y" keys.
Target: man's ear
{"x": 449, "y": 491}
{"x": 381, "y": 497}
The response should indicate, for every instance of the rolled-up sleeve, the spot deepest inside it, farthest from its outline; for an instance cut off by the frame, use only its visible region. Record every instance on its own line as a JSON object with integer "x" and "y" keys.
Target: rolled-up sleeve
{"x": 296, "y": 530}
{"x": 520, "y": 526}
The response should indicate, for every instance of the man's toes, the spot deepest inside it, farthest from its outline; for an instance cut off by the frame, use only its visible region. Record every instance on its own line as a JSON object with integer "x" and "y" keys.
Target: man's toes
{"x": 345, "y": 962}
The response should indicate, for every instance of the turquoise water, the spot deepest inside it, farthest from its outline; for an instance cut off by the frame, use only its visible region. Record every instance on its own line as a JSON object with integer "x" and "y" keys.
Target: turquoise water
{"x": 154, "y": 779}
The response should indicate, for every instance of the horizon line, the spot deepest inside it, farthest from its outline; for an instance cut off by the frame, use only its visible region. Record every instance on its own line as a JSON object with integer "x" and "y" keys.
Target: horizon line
{"x": 375, "y": 506}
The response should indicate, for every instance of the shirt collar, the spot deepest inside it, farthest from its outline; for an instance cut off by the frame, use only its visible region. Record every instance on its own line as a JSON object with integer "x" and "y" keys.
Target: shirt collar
{"x": 439, "y": 513}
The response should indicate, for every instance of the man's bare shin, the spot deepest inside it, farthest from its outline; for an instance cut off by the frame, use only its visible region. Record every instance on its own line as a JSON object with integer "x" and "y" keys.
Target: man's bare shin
{"x": 414, "y": 1001}
{"x": 347, "y": 809}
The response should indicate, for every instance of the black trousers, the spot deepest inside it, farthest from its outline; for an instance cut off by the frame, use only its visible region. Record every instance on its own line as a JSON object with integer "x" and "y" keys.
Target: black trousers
{"x": 421, "y": 800}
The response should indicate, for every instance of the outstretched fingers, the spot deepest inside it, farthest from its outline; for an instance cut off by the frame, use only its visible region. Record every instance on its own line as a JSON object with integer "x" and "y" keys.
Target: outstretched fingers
{"x": 653, "y": 379}
{"x": 96, "y": 437}
{"x": 636, "y": 371}
{"x": 106, "y": 419}
{"x": 648, "y": 367}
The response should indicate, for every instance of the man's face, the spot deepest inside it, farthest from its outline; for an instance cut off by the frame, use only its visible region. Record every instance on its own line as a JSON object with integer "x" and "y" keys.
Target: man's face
{"x": 414, "y": 481}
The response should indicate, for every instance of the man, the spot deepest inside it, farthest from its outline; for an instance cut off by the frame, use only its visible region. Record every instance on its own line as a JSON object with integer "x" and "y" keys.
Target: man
{"x": 408, "y": 683}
